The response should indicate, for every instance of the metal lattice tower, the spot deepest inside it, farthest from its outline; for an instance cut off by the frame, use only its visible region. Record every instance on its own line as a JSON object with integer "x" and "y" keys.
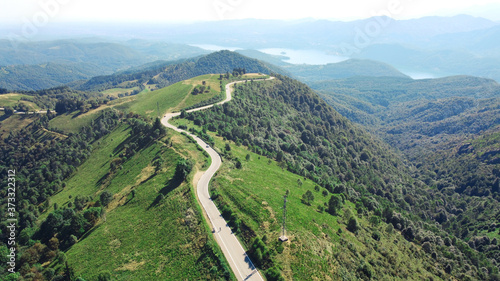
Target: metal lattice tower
{"x": 283, "y": 236}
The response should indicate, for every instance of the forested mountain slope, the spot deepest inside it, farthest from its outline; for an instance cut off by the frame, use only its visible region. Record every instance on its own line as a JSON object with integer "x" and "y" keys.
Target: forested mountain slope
{"x": 166, "y": 74}
{"x": 448, "y": 129}
{"x": 287, "y": 121}
{"x": 44, "y": 64}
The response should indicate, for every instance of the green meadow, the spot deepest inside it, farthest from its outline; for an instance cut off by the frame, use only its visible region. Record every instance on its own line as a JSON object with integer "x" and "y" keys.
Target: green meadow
{"x": 13, "y": 99}
{"x": 170, "y": 99}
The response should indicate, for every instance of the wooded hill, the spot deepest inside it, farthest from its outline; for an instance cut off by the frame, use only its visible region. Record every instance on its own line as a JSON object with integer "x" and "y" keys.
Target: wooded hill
{"x": 287, "y": 121}
{"x": 169, "y": 73}
{"x": 448, "y": 129}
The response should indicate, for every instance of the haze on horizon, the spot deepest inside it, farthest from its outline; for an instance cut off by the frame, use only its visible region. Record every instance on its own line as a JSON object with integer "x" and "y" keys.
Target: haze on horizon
{"x": 149, "y": 11}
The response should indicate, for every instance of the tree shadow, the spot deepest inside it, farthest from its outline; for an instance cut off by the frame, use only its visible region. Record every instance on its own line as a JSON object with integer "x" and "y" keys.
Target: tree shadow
{"x": 148, "y": 179}
{"x": 129, "y": 139}
{"x": 3, "y": 117}
{"x": 86, "y": 234}
{"x": 102, "y": 179}
{"x": 67, "y": 247}
{"x": 171, "y": 185}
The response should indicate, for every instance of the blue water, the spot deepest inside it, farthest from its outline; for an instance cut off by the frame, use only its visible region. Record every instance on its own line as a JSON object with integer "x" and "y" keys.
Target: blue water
{"x": 304, "y": 56}
{"x": 421, "y": 75}
{"x": 295, "y": 56}
{"x": 211, "y": 47}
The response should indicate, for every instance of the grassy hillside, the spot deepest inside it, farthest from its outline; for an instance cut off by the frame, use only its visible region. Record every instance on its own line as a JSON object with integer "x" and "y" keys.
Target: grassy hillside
{"x": 168, "y": 99}
{"x": 320, "y": 245}
{"x": 171, "y": 98}
{"x": 73, "y": 122}
{"x": 15, "y": 99}
{"x": 172, "y": 240}
{"x": 13, "y": 123}
{"x": 148, "y": 202}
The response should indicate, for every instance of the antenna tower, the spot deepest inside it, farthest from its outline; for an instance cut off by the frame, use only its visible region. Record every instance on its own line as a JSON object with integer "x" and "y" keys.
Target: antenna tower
{"x": 283, "y": 237}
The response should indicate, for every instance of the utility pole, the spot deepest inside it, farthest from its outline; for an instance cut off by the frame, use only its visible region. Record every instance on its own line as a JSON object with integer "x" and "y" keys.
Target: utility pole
{"x": 283, "y": 237}
{"x": 158, "y": 109}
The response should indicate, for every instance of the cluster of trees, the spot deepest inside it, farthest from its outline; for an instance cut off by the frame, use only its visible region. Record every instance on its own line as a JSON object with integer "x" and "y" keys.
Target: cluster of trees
{"x": 183, "y": 168}
{"x": 47, "y": 163}
{"x": 143, "y": 132}
{"x": 200, "y": 89}
{"x": 67, "y": 225}
{"x": 83, "y": 105}
{"x": 65, "y": 99}
{"x": 308, "y": 198}
{"x": 236, "y": 72}
{"x": 8, "y": 110}
{"x": 60, "y": 230}
{"x": 239, "y": 71}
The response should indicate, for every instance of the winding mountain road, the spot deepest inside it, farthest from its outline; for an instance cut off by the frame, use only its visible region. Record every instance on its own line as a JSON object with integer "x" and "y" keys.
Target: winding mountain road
{"x": 240, "y": 263}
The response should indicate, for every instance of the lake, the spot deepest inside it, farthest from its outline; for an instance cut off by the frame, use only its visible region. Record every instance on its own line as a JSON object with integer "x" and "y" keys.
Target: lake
{"x": 210, "y": 47}
{"x": 295, "y": 56}
{"x": 304, "y": 56}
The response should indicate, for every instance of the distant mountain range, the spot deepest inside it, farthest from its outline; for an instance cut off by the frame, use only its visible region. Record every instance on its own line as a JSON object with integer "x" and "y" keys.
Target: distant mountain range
{"x": 435, "y": 46}
{"x": 46, "y": 64}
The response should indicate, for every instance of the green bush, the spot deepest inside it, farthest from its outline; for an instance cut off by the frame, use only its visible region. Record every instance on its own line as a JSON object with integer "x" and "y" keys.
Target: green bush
{"x": 353, "y": 225}
{"x": 334, "y": 205}
{"x": 273, "y": 274}
{"x": 105, "y": 198}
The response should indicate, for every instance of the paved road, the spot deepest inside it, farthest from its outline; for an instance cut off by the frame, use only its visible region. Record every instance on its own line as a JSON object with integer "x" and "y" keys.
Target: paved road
{"x": 240, "y": 263}
{"x": 30, "y": 112}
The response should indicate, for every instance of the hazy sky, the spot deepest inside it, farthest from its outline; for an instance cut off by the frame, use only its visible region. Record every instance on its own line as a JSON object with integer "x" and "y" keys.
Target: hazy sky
{"x": 20, "y": 11}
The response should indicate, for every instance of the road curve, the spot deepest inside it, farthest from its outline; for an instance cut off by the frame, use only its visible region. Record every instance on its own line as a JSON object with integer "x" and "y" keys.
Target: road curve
{"x": 240, "y": 263}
